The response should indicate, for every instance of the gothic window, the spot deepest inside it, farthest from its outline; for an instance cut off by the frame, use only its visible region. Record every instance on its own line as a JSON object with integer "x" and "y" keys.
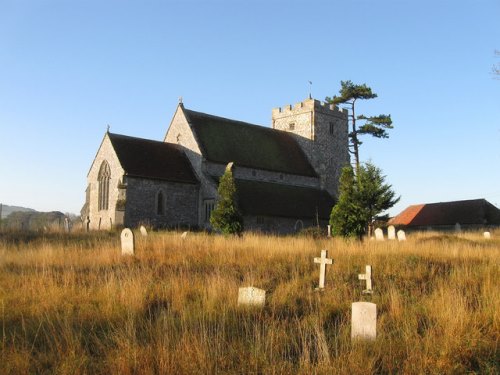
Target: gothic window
{"x": 160, "y": 203}
{"x": 291, "y": 126}
{"x": 209, "y": 205}
{"x": 331, "y": 127}
{"x": 103, "y": 181}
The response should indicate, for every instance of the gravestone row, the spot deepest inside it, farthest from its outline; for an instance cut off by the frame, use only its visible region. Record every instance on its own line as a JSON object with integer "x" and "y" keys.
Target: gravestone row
{"x": 391, "y": 234}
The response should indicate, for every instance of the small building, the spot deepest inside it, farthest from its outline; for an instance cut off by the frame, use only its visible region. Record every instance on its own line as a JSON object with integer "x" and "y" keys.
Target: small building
{"x": 286, "y": 176}
{"x": 466, "y": 214}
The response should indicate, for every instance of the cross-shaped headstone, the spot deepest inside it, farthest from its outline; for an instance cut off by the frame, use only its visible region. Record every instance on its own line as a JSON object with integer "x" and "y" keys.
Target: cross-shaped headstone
{"x": 368, "y": 277}
{"x": 323, "y": 261}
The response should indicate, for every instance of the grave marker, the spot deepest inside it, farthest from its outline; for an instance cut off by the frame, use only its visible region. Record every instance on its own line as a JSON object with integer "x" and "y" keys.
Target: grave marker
{"x": 323, "y": 261}
{"x": 127, "y": 240}
{"x": 329, "y": 230}
{"x": 251, "y": 296}
{"x": 401, "y": 235}
{"x": 487, "y": 235}
{"x": 364, "y": 321}
{"x": 391, "y": 232}
{"x": 143, "y": 230}
{"x": 368, "y": 277}
{"x": 184, "y": 235}
{"x": 458, "y": 228}
{"x": 379, "y": 234}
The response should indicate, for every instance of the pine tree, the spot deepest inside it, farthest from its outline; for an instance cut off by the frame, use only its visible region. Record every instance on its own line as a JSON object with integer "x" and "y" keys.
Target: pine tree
{"x": 361, "y": 200}
{"x": 226, "y": 217}
{"x": 375, "y": 126}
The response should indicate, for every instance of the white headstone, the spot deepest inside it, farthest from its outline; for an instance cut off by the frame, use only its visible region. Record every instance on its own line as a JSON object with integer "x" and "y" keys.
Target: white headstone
{"x": 143, "y": 230}
{"x": 67, "y": 226}
{"x": 127, "y": 239}
{"x": 323, "y": 261}
{"x": 329, "y": 232}
{"x": 251, "y": 296}
{"x": 184, "y": 235}
{"x": 487, "y": 235}
{"x": 401, "y": 235}
{"x": 364, "y": 321}
{"x": 391, "y": 232}
{"x": 368, "y": 277}
{"x": 458, "y": 228}
{"x": 379, "y": 234}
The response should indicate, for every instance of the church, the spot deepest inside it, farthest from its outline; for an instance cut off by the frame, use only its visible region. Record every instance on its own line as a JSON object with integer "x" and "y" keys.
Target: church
{"x": 286, "y": 176}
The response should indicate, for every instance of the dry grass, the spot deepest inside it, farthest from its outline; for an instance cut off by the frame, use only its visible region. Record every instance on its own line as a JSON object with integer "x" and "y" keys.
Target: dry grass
{"x": 72, "y": 304}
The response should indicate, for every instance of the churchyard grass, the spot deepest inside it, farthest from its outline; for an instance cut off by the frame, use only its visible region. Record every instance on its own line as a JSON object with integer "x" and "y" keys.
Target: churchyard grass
{"x": 71, "y": 304}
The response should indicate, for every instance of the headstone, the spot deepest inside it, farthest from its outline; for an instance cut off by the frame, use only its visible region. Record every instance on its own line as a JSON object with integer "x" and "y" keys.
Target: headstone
{"x": 458, "y": 228}
{"x": 391, "y": 232}
{"x": 364, "y": 321}
{"x": 368, "y": 277}
{"x": 329, "y": 231}
{"x": 251, "y": 296}
{"x": 379, "y": 234}
{"x": 66, "y": 225}
{"x": 401, "y": 235}
{"x": 127, "y": 239}
{"x": 184, "y": 235}
{"x": 487, "y": 235}
{"x": 323, "y": 261}
{"x": 143, "y": 230}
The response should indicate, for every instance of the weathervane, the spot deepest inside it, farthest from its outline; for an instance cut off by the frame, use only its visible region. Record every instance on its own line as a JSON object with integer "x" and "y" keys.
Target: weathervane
{"x": 310, "y": 89}
{"x": 107, "y": 129}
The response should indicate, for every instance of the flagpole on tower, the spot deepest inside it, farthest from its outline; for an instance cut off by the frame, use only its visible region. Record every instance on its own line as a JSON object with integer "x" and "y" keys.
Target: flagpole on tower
{"x": 310, "y": 89}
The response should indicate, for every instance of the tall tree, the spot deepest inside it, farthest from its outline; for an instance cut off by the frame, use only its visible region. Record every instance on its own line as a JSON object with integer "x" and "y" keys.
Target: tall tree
{"x": 226, "y": 216}
{"x": 375, "y": 126}
{"x": 362, "y": 198}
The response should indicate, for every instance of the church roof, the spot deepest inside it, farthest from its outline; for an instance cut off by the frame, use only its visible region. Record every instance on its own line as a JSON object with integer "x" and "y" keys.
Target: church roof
{"x": 223, "y": 140}
{"x": 475, "y": 211}
{"x": 152, "y": 159}
{"x": 272, "y": 199}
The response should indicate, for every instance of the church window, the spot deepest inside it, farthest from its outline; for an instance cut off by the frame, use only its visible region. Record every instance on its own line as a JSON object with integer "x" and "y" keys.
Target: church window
{"x": 103, "y": 191}
{"x": 209, "y": 205}
{"x": 291, "y": 126}
{"x": 331, "y": 127}
{"x": 160, "y": 203}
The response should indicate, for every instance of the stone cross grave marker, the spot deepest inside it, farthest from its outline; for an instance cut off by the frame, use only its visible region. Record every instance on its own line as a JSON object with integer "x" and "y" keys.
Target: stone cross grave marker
{"x": 143, "y": 230}
{"x": 368, "y": 277}
{"x": 251, "y": 296}
{"x": 127, "y": 239}
{"x": 184, "y": 235}
{"x": 487, "y": 235}
{"x": 391, "y": 232}
{"x": 323, "y": 261}
{"x": 329, "y": 230}
{"x": 379, "y": 234}
{"x": 401, "y": 235}
{"x": 364, "y": 321}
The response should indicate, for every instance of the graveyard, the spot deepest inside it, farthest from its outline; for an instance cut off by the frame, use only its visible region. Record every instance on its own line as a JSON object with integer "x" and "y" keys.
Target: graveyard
{"x": 139, "y": 302}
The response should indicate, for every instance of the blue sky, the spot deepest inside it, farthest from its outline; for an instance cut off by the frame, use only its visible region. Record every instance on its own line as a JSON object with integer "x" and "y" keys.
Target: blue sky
{"x": 69, "y": 68}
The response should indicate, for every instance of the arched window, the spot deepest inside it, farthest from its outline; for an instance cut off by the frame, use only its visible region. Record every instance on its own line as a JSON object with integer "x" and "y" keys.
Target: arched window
{"x": 103, "y": 179}
{"x": 160, "y": 203}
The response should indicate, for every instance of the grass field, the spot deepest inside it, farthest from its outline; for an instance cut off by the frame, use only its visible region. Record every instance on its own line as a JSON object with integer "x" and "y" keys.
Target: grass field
{"x": 70, "y": 304}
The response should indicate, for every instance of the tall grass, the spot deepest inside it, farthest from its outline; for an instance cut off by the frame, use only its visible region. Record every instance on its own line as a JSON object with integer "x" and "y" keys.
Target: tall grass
{"x": 71, "y": 304}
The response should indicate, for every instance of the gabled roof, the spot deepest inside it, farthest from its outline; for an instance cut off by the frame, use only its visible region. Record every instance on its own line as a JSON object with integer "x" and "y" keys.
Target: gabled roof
{"x": 476, "y": 211}
{"x": 152, "y": 159}
{"x": 223, "y": 140}
{"x": 271, "y": 199}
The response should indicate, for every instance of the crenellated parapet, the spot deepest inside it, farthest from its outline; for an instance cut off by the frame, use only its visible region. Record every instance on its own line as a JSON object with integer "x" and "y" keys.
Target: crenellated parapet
{"x": 310, "y": 105}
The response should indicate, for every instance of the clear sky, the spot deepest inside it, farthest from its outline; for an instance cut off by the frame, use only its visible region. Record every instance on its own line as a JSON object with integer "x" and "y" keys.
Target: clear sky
{"x": 70, "y": 68}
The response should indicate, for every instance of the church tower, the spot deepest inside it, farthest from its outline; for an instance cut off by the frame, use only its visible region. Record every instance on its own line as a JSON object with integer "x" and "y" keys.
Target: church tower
{"x": 321, "y": 130}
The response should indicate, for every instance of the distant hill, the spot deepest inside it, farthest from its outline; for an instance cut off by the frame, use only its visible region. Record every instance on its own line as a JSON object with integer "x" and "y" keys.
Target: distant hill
{"x": 7, "y": 210}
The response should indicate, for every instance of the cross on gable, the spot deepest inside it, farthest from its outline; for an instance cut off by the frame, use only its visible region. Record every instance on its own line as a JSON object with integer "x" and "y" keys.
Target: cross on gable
{"x": 323, "y": 261}
{"x": 368, "y": 277}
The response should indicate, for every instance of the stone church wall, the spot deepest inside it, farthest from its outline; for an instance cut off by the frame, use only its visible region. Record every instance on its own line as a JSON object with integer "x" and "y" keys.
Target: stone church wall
{"x": 279, "y": 225}
{"x": 104, "y": 219}
{"x": 180, "y": 203}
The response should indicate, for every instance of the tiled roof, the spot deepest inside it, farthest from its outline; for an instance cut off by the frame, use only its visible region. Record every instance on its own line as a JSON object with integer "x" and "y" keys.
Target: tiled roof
{"x": 271, "y": 199}
{"x": 476, "y": 211}
{"x": 223, "y": 140}
{"x": 152, "y": 159}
